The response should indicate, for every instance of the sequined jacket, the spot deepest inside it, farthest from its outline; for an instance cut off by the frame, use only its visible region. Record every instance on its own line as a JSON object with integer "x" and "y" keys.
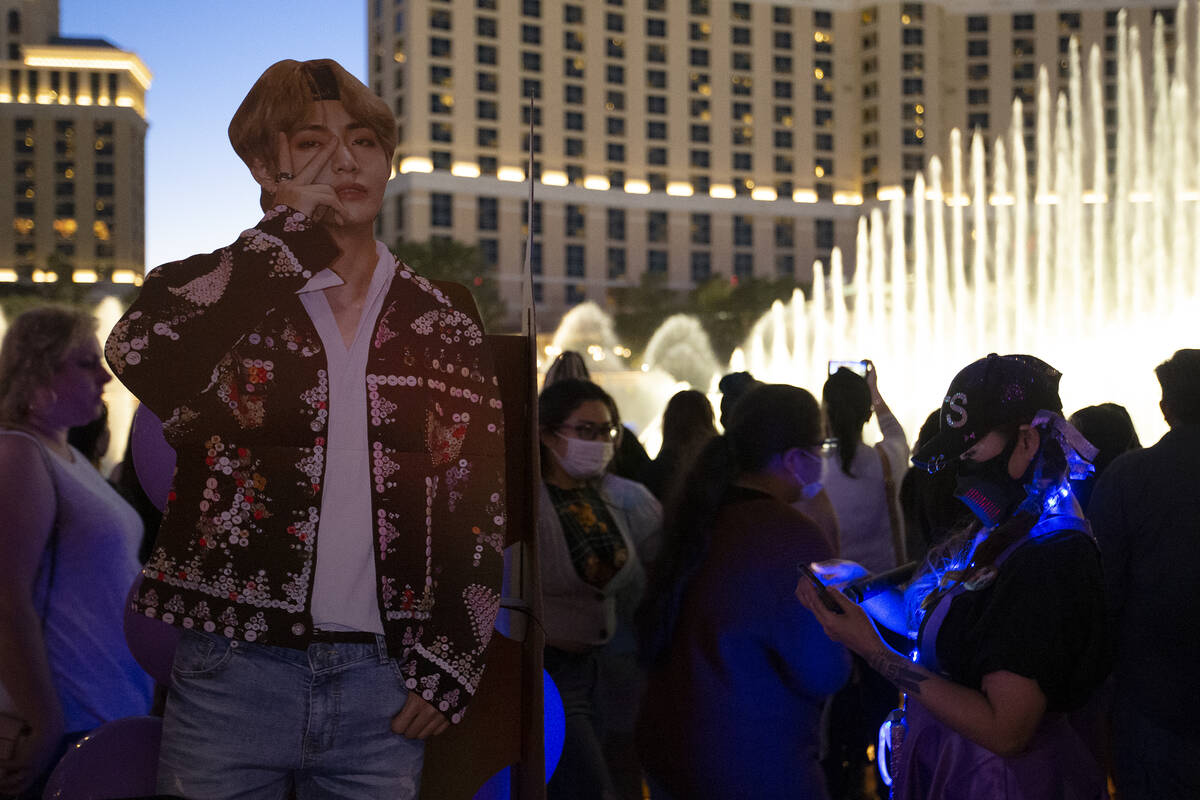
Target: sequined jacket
{"x": 221, "y": 349}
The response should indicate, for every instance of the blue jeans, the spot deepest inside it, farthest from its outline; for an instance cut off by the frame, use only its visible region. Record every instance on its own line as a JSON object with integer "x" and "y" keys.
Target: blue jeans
{"x": 582, "y": 772}
{"x": 253, "y": 722}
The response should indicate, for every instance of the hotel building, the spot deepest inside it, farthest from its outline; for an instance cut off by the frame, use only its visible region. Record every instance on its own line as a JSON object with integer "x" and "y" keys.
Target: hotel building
{"x": 75, "y": 115}
{"x": 698, "y": 138}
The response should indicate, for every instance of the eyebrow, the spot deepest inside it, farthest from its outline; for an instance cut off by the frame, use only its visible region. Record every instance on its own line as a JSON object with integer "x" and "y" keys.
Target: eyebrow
{"x": 315, "y": 128}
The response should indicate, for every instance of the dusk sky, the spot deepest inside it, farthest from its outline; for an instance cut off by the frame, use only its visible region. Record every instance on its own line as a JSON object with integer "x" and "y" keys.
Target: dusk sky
{"x": 204, "y": 57}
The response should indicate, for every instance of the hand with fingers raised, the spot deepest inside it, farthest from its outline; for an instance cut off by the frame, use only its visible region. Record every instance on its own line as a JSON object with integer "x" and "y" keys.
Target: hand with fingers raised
{"x": 297, "y": 189}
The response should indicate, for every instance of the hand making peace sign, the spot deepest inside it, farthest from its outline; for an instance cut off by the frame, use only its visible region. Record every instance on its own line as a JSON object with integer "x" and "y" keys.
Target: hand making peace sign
{"x": 298, "y": 190}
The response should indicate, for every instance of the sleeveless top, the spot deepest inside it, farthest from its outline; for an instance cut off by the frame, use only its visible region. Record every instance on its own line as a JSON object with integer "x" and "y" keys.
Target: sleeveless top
{"x": 95, "y": 563}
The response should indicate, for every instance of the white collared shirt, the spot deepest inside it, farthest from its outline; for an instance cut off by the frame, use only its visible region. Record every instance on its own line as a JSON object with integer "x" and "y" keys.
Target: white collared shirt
{"x": 344, "y": 595}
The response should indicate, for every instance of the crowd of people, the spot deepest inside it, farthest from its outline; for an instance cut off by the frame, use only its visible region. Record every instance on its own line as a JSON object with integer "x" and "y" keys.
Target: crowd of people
{"x": 771, "y": 607}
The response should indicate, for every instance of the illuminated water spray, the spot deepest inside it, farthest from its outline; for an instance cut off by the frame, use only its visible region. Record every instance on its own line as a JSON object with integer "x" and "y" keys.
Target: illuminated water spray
{"x": 1097, "y": 273}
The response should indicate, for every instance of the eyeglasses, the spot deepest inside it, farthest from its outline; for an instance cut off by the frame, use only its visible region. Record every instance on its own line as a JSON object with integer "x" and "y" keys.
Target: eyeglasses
{"x": 592, "y": 430}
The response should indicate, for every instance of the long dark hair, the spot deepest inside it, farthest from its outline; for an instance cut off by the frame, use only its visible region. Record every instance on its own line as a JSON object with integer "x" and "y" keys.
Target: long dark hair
{"x": 847, "y": 400}
{"x": 769, "y": 420}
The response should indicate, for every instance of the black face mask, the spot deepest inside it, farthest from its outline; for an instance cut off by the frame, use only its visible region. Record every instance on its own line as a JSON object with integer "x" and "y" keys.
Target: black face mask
{"x": 987, "y": 489}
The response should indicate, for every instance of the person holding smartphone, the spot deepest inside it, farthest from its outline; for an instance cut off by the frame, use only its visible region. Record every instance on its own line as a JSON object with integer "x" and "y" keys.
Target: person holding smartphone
{"x": 739, "y": 670}
{"x": 1007, "y": 619}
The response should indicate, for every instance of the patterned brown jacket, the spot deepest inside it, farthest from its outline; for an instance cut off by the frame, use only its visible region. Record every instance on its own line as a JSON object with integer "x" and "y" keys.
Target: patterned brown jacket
{"x": 221, "y": 349}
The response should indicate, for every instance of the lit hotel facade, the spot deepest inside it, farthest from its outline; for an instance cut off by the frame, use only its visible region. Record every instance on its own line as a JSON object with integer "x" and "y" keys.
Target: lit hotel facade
{"x": 696, "y": 138}
{"x": 75, "y": 114}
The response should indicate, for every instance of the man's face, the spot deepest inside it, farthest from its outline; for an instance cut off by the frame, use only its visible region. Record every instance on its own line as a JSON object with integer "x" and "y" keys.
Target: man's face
{"x": 358, "y": 170}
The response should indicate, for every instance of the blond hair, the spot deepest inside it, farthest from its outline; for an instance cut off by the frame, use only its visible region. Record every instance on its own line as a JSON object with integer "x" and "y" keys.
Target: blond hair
{"x": 286, "y": 94}
{"x": 34, "y": 348}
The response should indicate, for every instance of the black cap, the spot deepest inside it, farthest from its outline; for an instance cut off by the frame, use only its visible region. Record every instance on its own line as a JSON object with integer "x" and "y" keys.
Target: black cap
{"x": 985, "y": 395}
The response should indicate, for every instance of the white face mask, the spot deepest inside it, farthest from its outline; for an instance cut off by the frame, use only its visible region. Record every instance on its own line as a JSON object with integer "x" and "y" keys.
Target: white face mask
{"x": 584, "y": 459}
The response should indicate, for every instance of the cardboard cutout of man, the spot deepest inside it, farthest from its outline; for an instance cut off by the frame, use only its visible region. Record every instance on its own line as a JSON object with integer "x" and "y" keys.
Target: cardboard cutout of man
{"x": 332, "y": 545}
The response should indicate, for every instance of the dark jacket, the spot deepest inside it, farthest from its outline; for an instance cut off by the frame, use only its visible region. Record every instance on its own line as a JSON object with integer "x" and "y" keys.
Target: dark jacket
{"x": 221, "y": 349}
{"x": 734, "y": 711}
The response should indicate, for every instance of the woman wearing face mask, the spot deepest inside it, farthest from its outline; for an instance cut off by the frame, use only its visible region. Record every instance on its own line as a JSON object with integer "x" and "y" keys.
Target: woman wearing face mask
{"x": 596, "y": 532}
{"x": 739, "y": 670}
{"x": 1007, "y": 619}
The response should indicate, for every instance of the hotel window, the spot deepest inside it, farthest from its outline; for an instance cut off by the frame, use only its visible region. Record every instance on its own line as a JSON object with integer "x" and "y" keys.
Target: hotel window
{"x": 656, "y": 5}
{"x": 977, "y": 72}
{"x": 913, "y": 62}
{"x": 740, "y": 12}
{"x": 614, "y": 23}
{"x": 573, "y": 41}
{"x": 438, "y": 104}
{"x": 486, "y": 137}
{"x": 823, "y": 167}
{"x": 913, "y": 36}
{"x": 701, "y": 228}
{"x": 656, "y": 130}
{"x": 656, "y": 262}
{"x": 699, "y": 159}
{"x": 976, "y": 120}
{"x": 537, "y": 143}
{"x": 488, "y": 213}
{"x": 914, "y": 11}
{"x": 656, "y": 78}
{"x": 977, "y": 97}
{"x": 573, "y": 121}
{"x": 575, "y": 221}
{"x": 699, "y": 133}
{"x": 822, "y": 117}
{"x": 656, "y": 226}
{"x": 531, "y": 87}
{"x": 616, "y": 177}
{"x": 656, "y": 156}
{"x": 573, "y": 147}
{"x": 1022, "y": 48}
{"x": 823, "y": 234}
{"x": 614, "y": 73}
{"x": 656, "y": 104}
{"x": 1110, "y": 19}
{"x": 1023, "y": 72}
{"x": 531, "y": 8}
{"x": 488, "y": 165}
{"x": 614, "y": 100}
{"x": 785, "y": 264}
{"x": 439, "y": 47}
{"x": 821, "y": 93}
{"x": 572, "y": 14}
{"x": 783, "y": 139}
{"x": 615, "y": 48}
{"x": 698, "y": 57}
{"x": 701, "y": 266}
{"x": 783, "y": 65}
{"x": 870, "y": 165}
{"x": 782, "y": 15}
{"x": 439, "y": 19}
{"x": 656, "y": 27}
{"x": 440, "y": 159}
{"x": 531, "y": 34}
{"x": 822, "y": 19}
{"x": 783, "y": 40}
{"x": 911, "y": 138}
{"x": 657, "y": 181}
{"x": 531, "y": 62}
{"x": 823, "y": 141}
{"x": 537, "y": 217}
{"x": 441, "y": 210}
{"x": 743, "y": 162}
{"x": 698, "y": 7}
{"x": 656, "y": 53}
{"x": 576, "y": 264}
{"x": 537, "y": 115}
{"x": 977, "y": 48}
{"x": 615, "y": 152}
{"x": 977, "y": 23}
{"x": 615, "y": 126}
{"x": 743, "y": 231}
{"x": 485, "y": 81}
{"x": 740, "y": 59}
{"x": 489, "y": 252}
{"x": 783, "y": 89}
{"x": 485, "y": 54}
{"x": 740, "y": 35}
{"x": 784, "y": 164}
{"x": 913, "y": 162}
{"x": 698, "y": 32}
{"x": 1022, "y": 22}
{"x": 616, "y": 224}
{"x": 911, "y": 86}
{"x": 1069, "y": 21}
{"x": 573, "y": 67}
{"x": 699, "y": 108}
{"x": 616, "y": 262}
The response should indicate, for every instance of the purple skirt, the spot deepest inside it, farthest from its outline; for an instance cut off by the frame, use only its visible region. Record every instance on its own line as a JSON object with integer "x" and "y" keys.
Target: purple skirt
{"x": 932, "y": 762}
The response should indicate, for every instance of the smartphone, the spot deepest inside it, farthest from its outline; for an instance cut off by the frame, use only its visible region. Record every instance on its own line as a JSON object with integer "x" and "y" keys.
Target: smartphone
{"x": 823, "y": 593}
{"x": 857, "y": 367}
